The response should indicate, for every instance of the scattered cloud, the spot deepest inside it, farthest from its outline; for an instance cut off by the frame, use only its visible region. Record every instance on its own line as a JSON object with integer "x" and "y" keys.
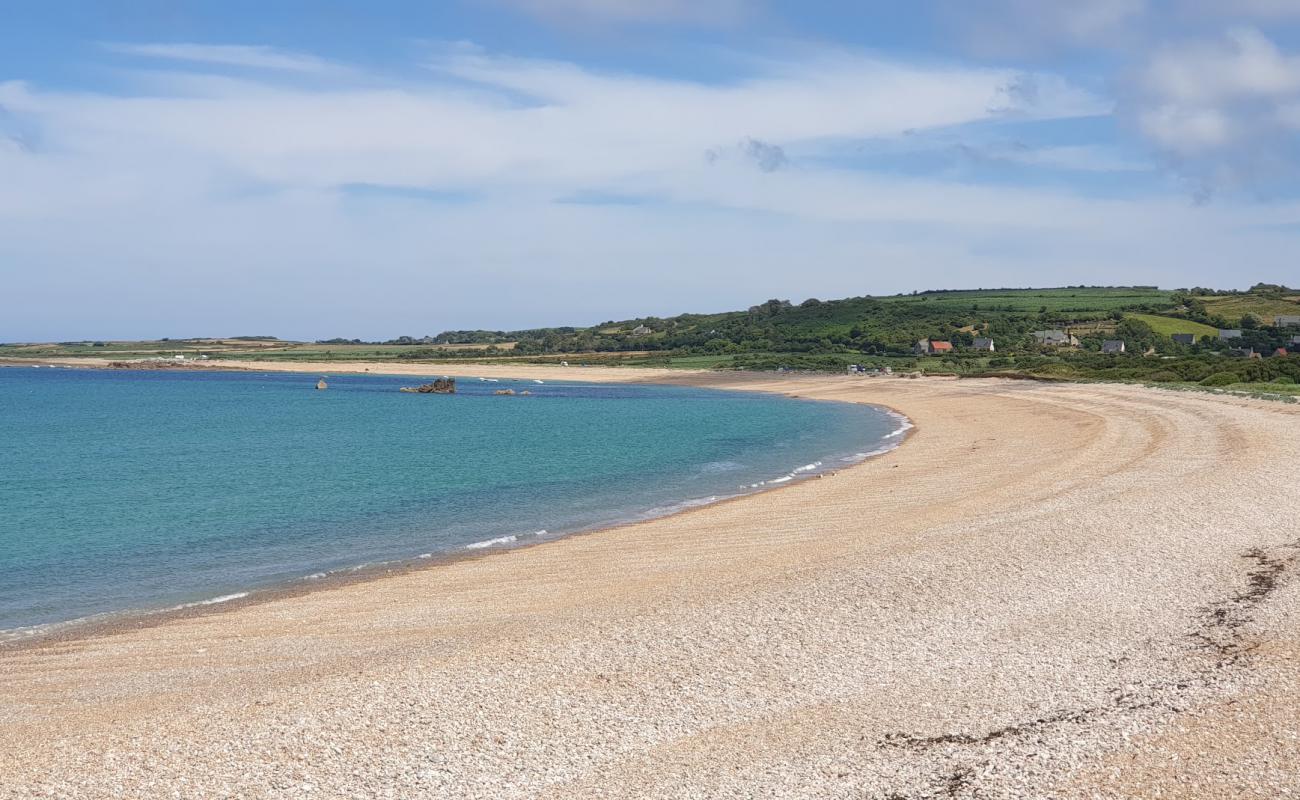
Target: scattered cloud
{"x": 583, "y": 190}
{"x": 1072, "y": 158}
{"x": 767, "y": 157}
{"x": 249, "y": 56}
{"x": 1225, "y": 112}
{"x": 623, "y": 12}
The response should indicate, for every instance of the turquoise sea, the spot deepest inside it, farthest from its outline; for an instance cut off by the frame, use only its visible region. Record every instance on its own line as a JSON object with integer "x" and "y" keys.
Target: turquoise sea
{"x": 135, "y": 490}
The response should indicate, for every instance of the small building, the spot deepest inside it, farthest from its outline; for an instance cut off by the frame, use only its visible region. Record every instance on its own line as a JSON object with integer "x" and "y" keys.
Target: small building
{"x": 1282, "y": 352}
{"x": 1295, "y": 341}
{"x": 1243, "y": 352}
{"x": 1188, "y": 339}
{"x": 641, "y": 330}
{"x": 983, "y": 344}
{"x": 930, "y": 347}
{"x": 1056, "y": 338}
{"x": 1113, "y": 346}
{"x": 1229, "y": 333}
{"x": 1286, "y": 321}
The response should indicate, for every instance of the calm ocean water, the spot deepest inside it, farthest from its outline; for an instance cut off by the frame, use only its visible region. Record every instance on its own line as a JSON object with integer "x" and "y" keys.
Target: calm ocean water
{"x": 125, "y": 490}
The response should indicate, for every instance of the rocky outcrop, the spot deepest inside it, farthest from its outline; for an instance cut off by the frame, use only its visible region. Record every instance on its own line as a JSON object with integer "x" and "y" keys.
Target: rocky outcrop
{"x": 440, "y": 386}
{"x": 504, "y": 391}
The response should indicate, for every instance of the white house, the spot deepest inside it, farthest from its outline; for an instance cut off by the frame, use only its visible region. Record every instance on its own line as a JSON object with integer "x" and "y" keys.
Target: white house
{"x": 1056, "y": 338}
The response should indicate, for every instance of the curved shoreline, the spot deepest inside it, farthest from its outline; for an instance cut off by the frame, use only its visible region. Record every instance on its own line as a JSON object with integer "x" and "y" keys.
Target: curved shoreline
{"x": 1053, "y": 590}
{"x": 111, "y": 622}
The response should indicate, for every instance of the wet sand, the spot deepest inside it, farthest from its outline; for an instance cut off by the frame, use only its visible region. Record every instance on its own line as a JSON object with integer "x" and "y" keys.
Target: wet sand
{"x": 1050, "y": 590}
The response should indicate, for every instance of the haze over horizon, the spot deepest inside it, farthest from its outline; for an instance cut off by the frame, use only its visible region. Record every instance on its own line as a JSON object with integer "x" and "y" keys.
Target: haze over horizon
{"x": 311, "y": 170}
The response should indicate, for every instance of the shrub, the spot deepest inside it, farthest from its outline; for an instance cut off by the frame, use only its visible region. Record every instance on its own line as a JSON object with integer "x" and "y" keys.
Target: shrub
{"x": 1221, "y": 379}
{"x": 1164, "y": 376}
{"x": 1285, "y": 380}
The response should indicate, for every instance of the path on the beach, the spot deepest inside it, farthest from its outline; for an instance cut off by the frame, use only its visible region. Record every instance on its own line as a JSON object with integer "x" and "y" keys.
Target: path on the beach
{"x": 1051, "y": 590}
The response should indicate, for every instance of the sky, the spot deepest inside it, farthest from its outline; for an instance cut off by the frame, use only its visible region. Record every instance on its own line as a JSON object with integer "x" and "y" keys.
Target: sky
{"x": 401, "y": 167}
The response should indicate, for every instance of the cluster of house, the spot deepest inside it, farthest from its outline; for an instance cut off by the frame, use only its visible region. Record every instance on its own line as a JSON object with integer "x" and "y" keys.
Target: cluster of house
{"x": 1054, "y": 338}
{"x": 1228, "y": 334}
{"x": 1067, "y": 339}
{"x": 934, "y": 347}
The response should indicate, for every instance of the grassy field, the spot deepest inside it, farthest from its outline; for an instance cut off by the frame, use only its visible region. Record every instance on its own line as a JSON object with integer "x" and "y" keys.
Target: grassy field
{"x": 1233, "y": 307}
{"x": 1090, "y": 303}
{"x": 1167, "y": 326}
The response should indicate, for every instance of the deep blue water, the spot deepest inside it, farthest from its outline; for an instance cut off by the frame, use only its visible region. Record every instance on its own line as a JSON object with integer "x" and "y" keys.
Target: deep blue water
{"x": 124, "y": 490}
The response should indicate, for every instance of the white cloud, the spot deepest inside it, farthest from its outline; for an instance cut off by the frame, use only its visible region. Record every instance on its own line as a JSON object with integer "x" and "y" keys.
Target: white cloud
{"x": 1223, "y": 111}
{"x": 699, "y": 12}
{"x": 1244, "y": 64}
{"x": 549, "y": 126}
{"x": 252, "y": 57}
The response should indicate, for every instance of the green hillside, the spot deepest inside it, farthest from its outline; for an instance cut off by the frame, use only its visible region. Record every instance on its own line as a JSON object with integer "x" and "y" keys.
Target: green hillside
{"x": 830, "y": 335}
{"x": 1263, "y": 306}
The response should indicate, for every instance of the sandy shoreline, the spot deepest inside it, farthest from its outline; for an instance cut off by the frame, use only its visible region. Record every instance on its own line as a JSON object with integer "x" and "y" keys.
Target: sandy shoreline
{"x": 1050, "y": 591}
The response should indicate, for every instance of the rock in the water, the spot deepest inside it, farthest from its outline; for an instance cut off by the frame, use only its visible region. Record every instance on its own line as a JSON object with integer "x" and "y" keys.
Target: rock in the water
{"x": 321, "y": 384}
{"x": 440, "y": 386}
{"x": 504, "y": 391}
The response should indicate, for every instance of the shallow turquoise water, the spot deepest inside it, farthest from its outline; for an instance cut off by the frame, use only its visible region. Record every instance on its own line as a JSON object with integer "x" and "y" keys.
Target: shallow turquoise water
{"x": 123, "y": 490}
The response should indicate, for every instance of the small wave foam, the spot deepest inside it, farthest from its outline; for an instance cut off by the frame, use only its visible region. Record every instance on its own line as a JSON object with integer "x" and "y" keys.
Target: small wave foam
{"x": 663, "y": 511}
{"x": 904, "y": 425}
{"x": 497, "y": 542}
{"x": 225, "y": 598}
{"x": 33, "y": 631}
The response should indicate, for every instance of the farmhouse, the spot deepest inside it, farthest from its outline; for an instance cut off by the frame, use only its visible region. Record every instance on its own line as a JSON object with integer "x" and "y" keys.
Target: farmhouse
{"x": 1113, "y": 346}
{"x": 1286, "y": 321}
{"x": 1188, "y": 339}
{"x": 641, "y": 330}
{"x": 929, "y": 347}
{"x": 1229, "y": 333}
{"x": 983, "y": 344}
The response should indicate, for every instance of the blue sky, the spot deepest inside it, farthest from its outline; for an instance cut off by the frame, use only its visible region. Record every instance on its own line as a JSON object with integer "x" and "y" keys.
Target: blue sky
{"x": 316, "y": 169}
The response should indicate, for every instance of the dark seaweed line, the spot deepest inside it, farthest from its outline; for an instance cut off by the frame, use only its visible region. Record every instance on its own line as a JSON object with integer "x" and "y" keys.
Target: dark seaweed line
{"x": 1219, "y": 631}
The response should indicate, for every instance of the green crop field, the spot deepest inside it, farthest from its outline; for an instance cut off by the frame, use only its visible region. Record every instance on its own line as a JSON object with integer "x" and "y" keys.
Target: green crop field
{"x": 1167, "y": 326}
